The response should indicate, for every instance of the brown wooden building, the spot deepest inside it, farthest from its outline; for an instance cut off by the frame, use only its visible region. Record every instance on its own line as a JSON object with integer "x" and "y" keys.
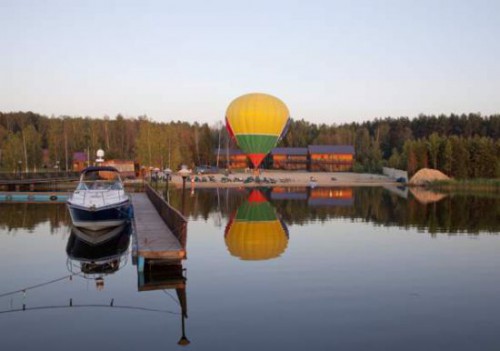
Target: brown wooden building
{"x": 289, "y": 158}
{"x": 331, "y": 158}
{"x": 237, "y": 158}
{"x": 128, "y": 169}
{"x": 315, "y": 158}
{"x": 80, "y": 161}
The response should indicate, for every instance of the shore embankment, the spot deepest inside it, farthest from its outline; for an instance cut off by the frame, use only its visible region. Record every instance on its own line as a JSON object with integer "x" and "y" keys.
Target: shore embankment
{"x": 272, "y": 178}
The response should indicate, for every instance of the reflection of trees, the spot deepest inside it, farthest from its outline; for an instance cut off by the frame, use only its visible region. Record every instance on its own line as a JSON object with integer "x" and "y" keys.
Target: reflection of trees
{"x": 453, "y": 214}
{"x": 205, "y": 201}
{"x": 28, "y": 215}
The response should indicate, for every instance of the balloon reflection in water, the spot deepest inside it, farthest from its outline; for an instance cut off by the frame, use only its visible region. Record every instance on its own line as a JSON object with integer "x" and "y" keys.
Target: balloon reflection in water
{"x": 255, "y": 232}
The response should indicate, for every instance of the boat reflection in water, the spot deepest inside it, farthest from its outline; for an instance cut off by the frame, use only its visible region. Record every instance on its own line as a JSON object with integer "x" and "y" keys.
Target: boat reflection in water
{"x": 255, "y": 232}
{"x": 94, "y": 254}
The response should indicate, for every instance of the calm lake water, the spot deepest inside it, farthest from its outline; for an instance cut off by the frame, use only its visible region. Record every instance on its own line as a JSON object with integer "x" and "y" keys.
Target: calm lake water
{"x": 294, "y": 269}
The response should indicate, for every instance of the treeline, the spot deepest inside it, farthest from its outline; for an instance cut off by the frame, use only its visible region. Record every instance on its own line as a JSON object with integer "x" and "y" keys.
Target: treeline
{"x": 463, "y": 146}
{"x": 33, "y": 142}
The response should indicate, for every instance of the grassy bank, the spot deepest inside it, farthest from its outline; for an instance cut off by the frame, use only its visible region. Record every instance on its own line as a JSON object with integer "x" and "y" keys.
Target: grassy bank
{"x": 489, "y": 186}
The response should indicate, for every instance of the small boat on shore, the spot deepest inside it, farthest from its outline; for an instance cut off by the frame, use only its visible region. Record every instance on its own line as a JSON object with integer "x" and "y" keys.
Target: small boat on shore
{"x": 99, "y": 201}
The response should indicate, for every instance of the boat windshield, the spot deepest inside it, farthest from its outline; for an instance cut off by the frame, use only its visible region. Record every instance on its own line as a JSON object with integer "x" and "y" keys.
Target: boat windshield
{"x": 100, "y": 180}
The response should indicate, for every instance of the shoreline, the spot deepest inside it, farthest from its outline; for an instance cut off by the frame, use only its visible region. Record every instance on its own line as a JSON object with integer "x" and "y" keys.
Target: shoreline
{"x": 272, "y": 178}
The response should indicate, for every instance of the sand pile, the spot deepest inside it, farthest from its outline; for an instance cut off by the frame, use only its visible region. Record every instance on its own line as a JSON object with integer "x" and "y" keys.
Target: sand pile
{"x": 425, "y": 196}
{"x": 426, "y": 175}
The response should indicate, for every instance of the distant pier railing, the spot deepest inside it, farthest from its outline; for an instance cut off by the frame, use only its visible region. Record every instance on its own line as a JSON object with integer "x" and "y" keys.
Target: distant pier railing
{"x": 172, "y": 217}
{"x": 36, "y": 177}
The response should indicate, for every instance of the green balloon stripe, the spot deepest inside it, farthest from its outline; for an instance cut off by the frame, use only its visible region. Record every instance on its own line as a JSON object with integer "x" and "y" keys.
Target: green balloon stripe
{"x": 256, "y": 144}
{"x": 256, "y": 212}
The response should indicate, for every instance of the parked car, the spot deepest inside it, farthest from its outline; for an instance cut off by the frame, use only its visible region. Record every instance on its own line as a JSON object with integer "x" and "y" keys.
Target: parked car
{"x": 206, "y": 169}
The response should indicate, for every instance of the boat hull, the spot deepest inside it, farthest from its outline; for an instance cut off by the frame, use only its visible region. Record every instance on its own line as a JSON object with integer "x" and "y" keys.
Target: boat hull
{"x": 99, "y": 219}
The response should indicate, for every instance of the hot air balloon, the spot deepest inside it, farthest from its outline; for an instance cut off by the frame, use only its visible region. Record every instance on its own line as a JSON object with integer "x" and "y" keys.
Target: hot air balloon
{"x": 255, "y": 232}
{"x": 257, "y": 122}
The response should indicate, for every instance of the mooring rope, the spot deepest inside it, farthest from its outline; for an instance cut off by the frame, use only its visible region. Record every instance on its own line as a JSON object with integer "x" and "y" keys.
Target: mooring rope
{"x": 36, "y": 286}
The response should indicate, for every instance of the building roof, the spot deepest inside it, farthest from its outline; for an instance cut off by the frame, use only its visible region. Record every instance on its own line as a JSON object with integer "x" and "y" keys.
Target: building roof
{"x": 99, "y": 168}
{"x": 80, "y": 156}
{"x": 331, "y": 149}
{"x": 117, "y": 162}
{"x": 299, "y": 151}
{"x": 289, "y": 196}
{"x": 327, "y": 202}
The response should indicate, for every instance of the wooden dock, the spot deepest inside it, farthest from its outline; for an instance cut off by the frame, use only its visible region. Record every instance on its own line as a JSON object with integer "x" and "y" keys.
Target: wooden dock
{"x": 154, "y": 239}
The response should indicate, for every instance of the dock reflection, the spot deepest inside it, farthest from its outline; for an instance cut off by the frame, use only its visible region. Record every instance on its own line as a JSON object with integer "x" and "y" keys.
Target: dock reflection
{"x": 167, "y": 275}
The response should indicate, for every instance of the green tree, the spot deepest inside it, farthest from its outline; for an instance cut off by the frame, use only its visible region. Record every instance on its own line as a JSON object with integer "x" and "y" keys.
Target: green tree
{"x": 433, "y": 144}
{"x": 12, "y": 153}
{"x": 460, "y": 157}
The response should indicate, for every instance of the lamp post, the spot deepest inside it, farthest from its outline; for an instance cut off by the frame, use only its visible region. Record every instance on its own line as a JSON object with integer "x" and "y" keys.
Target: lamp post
{"x": 100, "y": 156}
{"x": 156, "y": 170}
{"x": 56, "y": 167}
{"x": 184, "y": 173}
{"x": 19, "y": 166}
{"x": 183, "y": 341}
{"x": 167, "y": 172}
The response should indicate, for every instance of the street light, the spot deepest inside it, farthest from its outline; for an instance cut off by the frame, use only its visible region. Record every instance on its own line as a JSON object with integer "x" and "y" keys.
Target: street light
{"x": 19, "y": 165}
{"x": 100, "y": 156}
{"x": 184, "y": 173}
{"x": 183, "y": 341}
{"x": 167, "y": 172}
{"x": 156, "y": 170}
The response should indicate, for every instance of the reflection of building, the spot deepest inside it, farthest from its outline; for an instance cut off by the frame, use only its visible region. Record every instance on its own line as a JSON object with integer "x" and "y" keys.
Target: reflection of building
{"x": 318, "y": 196}
{"x": 331, "y": 197}
{"x": 290, "y": 158}
{"x": 255, "y": 232}
{"x": 331, "y": 158}
{"x": 282, "y": 193}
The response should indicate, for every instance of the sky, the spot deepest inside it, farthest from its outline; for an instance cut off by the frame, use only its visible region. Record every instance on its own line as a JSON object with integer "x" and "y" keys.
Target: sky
{"x": 329, "y": 61}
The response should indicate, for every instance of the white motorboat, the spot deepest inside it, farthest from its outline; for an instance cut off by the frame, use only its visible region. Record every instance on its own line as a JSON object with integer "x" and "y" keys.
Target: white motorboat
{"x": 99, "y": 201}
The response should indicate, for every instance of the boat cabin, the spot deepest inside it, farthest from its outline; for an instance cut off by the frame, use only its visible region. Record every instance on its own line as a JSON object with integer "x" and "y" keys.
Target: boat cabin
{"x": 100, "y": 178}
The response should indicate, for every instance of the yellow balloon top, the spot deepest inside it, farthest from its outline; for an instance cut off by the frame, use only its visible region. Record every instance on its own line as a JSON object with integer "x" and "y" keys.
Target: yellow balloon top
{"x": 256, "y": 240}
{"x": 257, "y": 113}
